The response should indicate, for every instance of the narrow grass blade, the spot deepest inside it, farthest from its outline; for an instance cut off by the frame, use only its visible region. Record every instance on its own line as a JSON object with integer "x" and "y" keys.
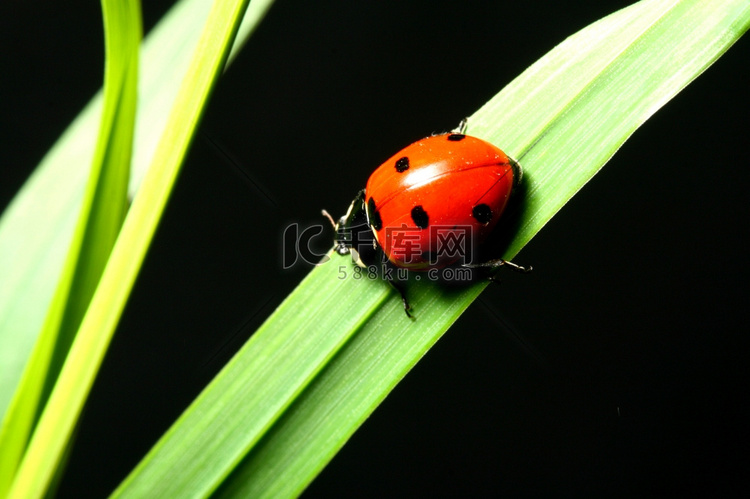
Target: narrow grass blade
{"x": 210, "y": 438}
{"x": 56, "y": 425}
{"x": 563, "y": 119}
{"x": 102, "y": 212}
{"x": 31, "y": 261}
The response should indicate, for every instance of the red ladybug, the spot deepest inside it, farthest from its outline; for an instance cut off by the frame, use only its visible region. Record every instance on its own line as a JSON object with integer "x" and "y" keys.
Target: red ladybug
{"x": 431, "y": 204}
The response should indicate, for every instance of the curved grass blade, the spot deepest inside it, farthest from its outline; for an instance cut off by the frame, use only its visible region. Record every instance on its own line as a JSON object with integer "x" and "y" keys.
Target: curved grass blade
{"x": 208, "y": 440}
{"x": 563, "y": 119}
{"x": 102, "y": 212}
{"x": 58, "y": 420}
{"x": 31, "y": 261}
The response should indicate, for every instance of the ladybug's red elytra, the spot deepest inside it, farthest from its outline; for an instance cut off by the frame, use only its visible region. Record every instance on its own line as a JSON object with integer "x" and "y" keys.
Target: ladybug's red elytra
{"x": 438, "y": 194}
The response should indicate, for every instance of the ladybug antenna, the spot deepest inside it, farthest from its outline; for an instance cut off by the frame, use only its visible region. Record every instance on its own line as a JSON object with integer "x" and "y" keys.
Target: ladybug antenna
{"x": 330, "y": 218}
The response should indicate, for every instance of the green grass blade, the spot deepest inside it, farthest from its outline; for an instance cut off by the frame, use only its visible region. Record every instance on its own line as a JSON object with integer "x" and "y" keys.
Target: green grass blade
{"x": 102, "y": 212}
{"x": 563, "y": 119}
{"x": 211, "y": 437}
{"x": 31, "y": 261}
{"x": 57, "y": 423}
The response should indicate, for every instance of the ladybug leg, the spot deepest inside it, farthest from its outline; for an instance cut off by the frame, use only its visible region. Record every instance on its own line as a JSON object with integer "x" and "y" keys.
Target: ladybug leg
{"x": 401, "y": 291}
{"x": 497, "y": 263}
{"x": 462, "y": 126}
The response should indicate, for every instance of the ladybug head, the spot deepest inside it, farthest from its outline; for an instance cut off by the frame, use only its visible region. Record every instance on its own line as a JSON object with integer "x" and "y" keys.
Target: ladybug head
{"x": 353, "y": 234}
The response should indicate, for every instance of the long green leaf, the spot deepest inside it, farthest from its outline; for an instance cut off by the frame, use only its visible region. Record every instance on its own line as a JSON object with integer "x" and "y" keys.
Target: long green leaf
{"x": 563, "y": 119}
{"x": 31, "y": 261}
{"x": 102, "y": 212}
{"x": 58, "y": 420}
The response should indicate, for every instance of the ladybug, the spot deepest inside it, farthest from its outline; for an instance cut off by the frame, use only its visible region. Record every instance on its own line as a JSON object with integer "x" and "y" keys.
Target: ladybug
{"x": 432, "y": 204}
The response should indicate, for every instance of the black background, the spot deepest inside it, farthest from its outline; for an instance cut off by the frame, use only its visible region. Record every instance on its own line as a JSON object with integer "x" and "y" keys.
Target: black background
{"x": 617, "y": 368}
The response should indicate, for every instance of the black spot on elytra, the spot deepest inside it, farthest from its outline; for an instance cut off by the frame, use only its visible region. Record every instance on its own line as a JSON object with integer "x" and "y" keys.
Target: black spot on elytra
{"x": 482, "y": 213}
{"x": 456, "y": 137}
{"x": 420, "y": 217}
{"x": 374, "y": 214}
{"x": 402, "y": 164}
